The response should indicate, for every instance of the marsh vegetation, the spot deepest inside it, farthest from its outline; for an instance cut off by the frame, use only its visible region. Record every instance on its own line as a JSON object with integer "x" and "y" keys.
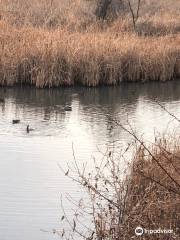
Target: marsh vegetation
{"x": 143, "y": 194}
{"x": 51, "y": 43}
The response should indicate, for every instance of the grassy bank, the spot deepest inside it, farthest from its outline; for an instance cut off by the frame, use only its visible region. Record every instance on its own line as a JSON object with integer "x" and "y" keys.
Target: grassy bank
{"x": 147, "y": 198}
{"x": 154, "y": 191}
{"x": 70, "y": 51}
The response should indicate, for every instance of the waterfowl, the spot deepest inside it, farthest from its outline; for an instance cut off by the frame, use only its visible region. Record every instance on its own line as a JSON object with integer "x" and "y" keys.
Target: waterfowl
{"x": 68, "y": 108}
{"x": 28, "y": 129}
{"x": 15, "y": 121}
{"x": 2, "y": 100}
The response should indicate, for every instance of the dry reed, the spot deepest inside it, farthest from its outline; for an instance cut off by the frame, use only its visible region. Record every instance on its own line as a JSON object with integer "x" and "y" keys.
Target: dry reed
{"x": 38, "y": 48}
{"x": 148, "y": 197}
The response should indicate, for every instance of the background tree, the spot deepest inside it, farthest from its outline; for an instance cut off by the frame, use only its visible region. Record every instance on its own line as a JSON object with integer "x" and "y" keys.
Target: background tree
{"x": 134, "y": 13}
{"x": 103, "y": 7}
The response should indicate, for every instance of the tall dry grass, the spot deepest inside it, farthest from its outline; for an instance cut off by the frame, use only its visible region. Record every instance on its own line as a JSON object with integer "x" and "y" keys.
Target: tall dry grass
{"x": 153, "y": 197}
{"x": 53, "y": 43}
{"x": 148, "y": 197}
{"x": 47, "y": 13}
{"x": 160, "y": 24}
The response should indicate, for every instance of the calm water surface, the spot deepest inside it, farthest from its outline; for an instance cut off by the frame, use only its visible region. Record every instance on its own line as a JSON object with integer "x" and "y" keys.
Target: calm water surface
{"x": 31, "y": 183}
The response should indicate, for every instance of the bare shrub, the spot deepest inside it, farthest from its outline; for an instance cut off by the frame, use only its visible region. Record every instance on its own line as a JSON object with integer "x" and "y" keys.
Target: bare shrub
{"x": 145, "y": 194}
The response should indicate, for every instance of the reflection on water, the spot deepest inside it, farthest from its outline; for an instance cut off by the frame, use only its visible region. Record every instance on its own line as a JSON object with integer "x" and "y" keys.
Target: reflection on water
{"x": 31, "y": 183}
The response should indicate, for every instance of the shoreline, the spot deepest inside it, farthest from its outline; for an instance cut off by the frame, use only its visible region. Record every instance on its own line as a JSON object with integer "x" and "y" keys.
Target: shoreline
{"x": 79, "y": 85}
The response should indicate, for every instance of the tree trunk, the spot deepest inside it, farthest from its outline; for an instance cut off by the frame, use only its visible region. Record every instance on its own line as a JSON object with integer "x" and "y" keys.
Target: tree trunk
{"x": 102, "y": 8}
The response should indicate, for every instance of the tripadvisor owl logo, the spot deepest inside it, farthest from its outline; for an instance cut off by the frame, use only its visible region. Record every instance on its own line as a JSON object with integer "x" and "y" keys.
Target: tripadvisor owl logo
{"x": 139, "y": 231}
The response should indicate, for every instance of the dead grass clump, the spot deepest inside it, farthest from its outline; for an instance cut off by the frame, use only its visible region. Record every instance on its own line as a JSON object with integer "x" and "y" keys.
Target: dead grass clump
{"x": 160, "y": 24}
{"x": 153, "y": 197}
{"x": 147, "y": 197}
{"x": 47, "y": 13}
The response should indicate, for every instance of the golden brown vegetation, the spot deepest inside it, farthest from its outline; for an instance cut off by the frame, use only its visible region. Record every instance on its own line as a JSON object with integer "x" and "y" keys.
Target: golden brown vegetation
{"x": 148, "y": 197}
{"x": 154, "y": 191}
{"x": 45, "y": 45}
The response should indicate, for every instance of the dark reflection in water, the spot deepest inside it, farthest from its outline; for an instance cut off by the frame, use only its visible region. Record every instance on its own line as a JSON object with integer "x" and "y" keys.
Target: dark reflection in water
{"x": 30, "y": 181}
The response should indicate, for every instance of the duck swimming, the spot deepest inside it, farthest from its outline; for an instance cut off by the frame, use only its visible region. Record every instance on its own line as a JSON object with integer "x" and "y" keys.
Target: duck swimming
{"x": 68, "y": 108}
{"x": 15, "y": 121}
{"x": 28, "y": 129}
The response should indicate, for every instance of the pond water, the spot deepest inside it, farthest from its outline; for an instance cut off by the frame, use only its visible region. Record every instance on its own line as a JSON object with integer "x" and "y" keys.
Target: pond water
{"x": 31, "y": 183}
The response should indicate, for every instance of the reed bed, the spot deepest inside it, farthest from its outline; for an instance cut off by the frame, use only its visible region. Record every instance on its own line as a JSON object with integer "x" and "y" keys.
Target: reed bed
{"x": 47, "y": 58}
{"x": 53, "y": 44}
